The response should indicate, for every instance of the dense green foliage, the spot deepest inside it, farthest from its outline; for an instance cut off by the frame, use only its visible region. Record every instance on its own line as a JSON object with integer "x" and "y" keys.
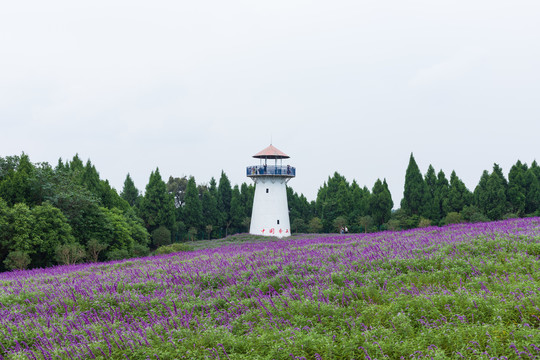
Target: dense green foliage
{"x": 43, "y": 208}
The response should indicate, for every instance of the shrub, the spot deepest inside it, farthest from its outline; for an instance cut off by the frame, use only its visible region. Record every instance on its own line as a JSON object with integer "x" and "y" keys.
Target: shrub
{"x": 192, "y": 233}
{"x": 176, "y": 247}
{"x": 161, "y": 236}
{"x": 70, "y": 253}
{"x": 478, "y": 217}
{"x": 118, "y": 254}
{"x": 93, "y": 249}
{"x": 139, "y": 250}
{"x": 365, "y": 222}
{"x": 17, "y": 260}
{"x": 453, "y": 218}
{"x": 315, "y": 225}
{"x": 424, "y": 222}
{"x": 392, "y": 224}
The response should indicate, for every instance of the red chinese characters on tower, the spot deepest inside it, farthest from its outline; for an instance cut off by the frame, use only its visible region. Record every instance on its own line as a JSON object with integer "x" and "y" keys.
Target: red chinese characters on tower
{"x": 271, "y": 231}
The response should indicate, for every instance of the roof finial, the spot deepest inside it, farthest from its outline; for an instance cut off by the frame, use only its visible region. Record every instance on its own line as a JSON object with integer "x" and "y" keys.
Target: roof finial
{"x": 270, "y": 139}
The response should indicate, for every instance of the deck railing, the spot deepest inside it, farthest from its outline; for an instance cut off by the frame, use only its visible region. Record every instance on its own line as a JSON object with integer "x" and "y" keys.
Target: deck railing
{"x": 271, "y": 170}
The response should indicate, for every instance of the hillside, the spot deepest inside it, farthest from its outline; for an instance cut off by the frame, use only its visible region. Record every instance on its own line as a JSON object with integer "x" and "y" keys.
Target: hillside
{"x": 460, "y": 291}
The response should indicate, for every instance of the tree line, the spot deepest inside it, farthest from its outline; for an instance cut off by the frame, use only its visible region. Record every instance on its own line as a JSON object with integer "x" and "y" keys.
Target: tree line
{"x": 67, "y": 213}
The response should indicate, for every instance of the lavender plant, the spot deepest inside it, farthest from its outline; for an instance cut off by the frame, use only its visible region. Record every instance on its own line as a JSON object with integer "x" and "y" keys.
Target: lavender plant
{"x": 461, "y": 291}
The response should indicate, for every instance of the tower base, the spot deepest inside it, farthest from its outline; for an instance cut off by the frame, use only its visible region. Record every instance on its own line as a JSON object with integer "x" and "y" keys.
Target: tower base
{"x": 270, "y": 215}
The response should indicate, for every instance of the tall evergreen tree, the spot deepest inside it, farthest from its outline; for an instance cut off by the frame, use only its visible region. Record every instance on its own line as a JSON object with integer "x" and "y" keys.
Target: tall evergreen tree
{"x": 344, "y": 199}
{"x": 237, "y": 210}
{"x": 458, "y": 195}
{"x": 90, "y": 179}
{"x": 442, "y": 188}
{"x": 157, "y": 206}
{"x": 76, "y": 165}
{"x": 430, "y": 207}
{"x": 18, "y": 181}
{"x": 380, "y": 202}
{"x": 413, "y": 193}
{"x": 333, "y": 200}
{"x": 192, "y": 211}
{"x": 129, "y": 192}
{"x": 247, "y": 192}
{"x": 517, "y": 188}
{"x": 481, "y": 193}
{"x": 532, "y": 202}
{"x": 210, "y": 213}
{"x": 224, "y": 198}
{"x": 496, "y": 205}
{"x": 360, "y": 201}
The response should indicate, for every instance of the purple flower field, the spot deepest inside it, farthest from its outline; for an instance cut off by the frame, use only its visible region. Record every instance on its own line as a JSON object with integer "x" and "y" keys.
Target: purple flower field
{"x": 461, "y": 291}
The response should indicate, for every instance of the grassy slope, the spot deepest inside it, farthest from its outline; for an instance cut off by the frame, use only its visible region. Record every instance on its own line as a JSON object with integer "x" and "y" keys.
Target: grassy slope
{"x": 341, "y": 297}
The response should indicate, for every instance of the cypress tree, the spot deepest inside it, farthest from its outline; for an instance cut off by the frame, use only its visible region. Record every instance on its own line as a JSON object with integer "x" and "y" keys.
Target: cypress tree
{"x": 496, "y": 186}
{"x": 129, "y": 192}
{"x": 210, "y": 211}
{"x": 237, "y": 210}
{"x": 458, "y": 195}
{"x": 380, "y": 202}
{"x": 430, "y": 207}
{"x": 517, "y": 188}
{"x": 192, "y": 212}
{"x": 360, "y": 200}
{"x": 532, "y": 200}
{"x": 224, "y": 198}
{"x": 442, "y": 187}
{"x": 413, "y": 193}
{"x": 480, "y": 195}
{"x": 157, "y": 206}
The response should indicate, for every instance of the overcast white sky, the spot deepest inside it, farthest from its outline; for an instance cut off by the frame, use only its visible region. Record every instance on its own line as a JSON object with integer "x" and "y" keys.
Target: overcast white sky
{"x": 194, "y": 87}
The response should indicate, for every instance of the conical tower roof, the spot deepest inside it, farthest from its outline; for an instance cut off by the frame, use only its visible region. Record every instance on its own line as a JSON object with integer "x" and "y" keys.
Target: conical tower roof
{"x": 271, "y": 152}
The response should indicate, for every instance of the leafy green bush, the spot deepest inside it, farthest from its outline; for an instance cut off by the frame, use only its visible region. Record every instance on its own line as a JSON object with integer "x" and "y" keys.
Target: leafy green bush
{"x": 176, "y": 247}
{"x": 139, "y": 250}
{"x": 161, "y": 236}
{"x": 453, "y": 218}
{"x": 18, "y": 260}
{"x": 118, "y": 254}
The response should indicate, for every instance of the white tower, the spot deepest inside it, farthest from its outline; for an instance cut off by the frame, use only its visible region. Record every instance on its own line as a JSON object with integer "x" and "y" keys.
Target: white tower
{"x": 270, "y": 215}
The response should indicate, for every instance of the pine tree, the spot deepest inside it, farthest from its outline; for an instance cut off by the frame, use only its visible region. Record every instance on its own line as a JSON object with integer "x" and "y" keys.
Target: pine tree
{"x": 224, "y": 197}
{"x": 237, "y": 211}
{"x": 442, "y": 188}
{"x": 90, "y": 179}
{"x": 192, "y": 211}
{"x": 380, "y": 202}
{"x": 413, "y": 193}
{"x": 18, "y": 184}
{"x": 481, "y": 193}
{"x": 210, "y": 213}
{"x": 496, "y": 205}
{"x": 360, "y": 201}
{"x": 458, "y": 195}
{"x": 532, "y": 201}
{"x": 157, "y": 205}
{"x": 430, "y": 208}
{"x": 517, "y": 188}
{"x": 130, "y": 193}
